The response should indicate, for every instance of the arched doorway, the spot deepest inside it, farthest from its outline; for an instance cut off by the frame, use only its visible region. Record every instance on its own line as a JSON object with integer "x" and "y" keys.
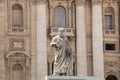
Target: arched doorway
{"x": 111, "y": 77}
{"x": 18, "y": 66}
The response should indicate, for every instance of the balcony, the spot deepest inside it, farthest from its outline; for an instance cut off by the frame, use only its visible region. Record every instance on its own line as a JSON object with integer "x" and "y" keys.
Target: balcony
{"x": 111, "y": 33}
{"x": 16, "y": 31}
{"x": 68, "y": 32}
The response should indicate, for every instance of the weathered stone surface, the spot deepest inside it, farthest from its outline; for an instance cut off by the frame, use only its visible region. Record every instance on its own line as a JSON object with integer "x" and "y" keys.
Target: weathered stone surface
{"x": 68, "y": 78}
{"x": 28, "y": 45}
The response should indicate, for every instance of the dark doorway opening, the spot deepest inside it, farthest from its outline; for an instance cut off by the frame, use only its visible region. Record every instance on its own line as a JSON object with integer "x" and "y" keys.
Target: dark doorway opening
{"x": 111, "y": 77}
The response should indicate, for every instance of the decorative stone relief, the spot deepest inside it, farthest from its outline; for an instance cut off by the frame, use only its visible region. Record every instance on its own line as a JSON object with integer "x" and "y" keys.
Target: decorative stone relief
{"x": 18, "y": 59}
{"x": 112, "y": 68}
{"x": 96, "y": 2}
{"x": 17, "y": 44}
{"x": 41, "y": 1}
{"x": 33, "y": 1}
{"x": 38, "y": 1}
{"x": 111, "y": 64}
{"x": 80, "y": 2}
{"x": 109, "y": 10}
{"x": 110, "y": 1}
{"x": 111, "y": 72}
{"x": 18, "y": 0}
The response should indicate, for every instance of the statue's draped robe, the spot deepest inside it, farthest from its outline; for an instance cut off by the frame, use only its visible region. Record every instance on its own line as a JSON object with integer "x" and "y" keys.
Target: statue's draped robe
{"x": 62, "y": 55}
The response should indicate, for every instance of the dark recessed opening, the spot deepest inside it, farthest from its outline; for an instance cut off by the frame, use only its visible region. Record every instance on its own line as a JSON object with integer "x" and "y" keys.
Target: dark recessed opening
{"x": 110, "y": 46}
{"x": 111, "y": 77}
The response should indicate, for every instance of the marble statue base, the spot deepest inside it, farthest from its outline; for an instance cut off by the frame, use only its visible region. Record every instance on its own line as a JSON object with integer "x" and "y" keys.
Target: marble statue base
{"x": 68, "y": 78}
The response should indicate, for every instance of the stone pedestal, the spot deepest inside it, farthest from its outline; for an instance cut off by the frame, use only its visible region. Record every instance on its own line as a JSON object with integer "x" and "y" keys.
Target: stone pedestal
{"x": 68, "y": 78}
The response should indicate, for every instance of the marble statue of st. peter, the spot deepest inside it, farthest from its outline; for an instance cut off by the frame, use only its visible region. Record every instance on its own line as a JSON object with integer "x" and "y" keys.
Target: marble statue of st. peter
{"x": 62, "y": 54}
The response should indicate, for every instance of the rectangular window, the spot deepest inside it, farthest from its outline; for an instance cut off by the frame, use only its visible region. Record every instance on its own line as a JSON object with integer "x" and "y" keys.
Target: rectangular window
{"x": 108, "y": 21}
{"x": 110, "y": 46}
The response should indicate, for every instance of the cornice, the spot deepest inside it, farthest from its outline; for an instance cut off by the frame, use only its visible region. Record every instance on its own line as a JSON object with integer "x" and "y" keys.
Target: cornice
{"x": 41, "y": 1}
{"x": 109, "y": 2}
{"x": 38, "y": 1}
{"x": 32, "y": 1}
{"x": 96, "y": 2}
{"x": 80, "y": 2}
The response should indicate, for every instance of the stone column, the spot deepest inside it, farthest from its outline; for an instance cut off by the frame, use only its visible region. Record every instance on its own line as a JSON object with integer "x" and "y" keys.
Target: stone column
{"x": 41, "y": 40}
{"x": 97, "y": 34}
{"x": 81, "y": 38}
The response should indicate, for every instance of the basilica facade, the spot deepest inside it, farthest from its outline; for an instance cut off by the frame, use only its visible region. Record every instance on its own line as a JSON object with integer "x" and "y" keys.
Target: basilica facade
{"x": 27, "y": 27}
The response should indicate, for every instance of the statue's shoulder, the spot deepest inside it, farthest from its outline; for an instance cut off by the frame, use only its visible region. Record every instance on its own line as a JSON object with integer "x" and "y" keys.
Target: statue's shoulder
{"x": 55, "y": 37}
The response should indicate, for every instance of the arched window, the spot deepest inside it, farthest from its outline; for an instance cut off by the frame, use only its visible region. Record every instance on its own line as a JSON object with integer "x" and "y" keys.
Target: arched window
{"x": 17, "y": 72}
{"x": 59, "y": 17}
{"x": 111, "y": 77}
{"x": 109, "y": 18}
{"x": 17, "y": 15}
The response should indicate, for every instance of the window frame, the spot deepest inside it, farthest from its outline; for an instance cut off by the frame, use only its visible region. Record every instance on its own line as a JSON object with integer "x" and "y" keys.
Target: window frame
{"x": 20, "y": 10}
{"x": 66, "y": 16}
{"x": 107, "y": 12}
{"x": 110, "y": 27}
{"x": 111, "y": 51}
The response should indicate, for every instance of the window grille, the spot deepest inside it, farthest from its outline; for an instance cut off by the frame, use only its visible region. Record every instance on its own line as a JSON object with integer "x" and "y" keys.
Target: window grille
{"x": 59, "y": 17}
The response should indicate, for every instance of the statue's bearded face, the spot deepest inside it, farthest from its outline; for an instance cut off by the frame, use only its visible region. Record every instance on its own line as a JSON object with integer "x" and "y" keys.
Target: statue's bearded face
{"x": 61, "y": 33}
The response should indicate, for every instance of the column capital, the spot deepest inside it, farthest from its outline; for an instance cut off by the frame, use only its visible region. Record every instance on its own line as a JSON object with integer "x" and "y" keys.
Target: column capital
{"x": 41, "y": 1}
{"x": 96, "y": 2}
{"x": 80, "y": 2}
{"x": 33, "y": 2}
{"x": 38, "y": 1}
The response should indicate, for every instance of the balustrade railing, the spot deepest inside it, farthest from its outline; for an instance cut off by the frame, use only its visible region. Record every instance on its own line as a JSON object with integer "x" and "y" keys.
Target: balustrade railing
{"x": 68, "y": 31}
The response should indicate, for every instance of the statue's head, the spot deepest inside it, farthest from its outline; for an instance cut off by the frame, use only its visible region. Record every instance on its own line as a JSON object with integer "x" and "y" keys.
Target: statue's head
{"x": 61, "y": 31}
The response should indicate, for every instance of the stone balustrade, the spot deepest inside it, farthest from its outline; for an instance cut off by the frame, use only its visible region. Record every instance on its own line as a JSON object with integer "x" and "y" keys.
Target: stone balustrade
{"x": 68, "y": 32}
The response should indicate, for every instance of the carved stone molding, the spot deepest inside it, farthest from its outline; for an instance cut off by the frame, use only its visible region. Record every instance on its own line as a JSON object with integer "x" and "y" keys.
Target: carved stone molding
{"x": 112, "y": 68}
{"x": 41, "y": 1}
{"x": 109, "y": 9}
{"x": 110, "y": 1}
{"x": 111, "y": 64}
{"x": 18, "y": 61}
{"x": 33, "y": 1}
{"x": 80, "y": 2}
{"x": 38, "y": 1}
{"x": 96, "y": 2}
{"x": 17, "y": 45}
{"x": 110, "y": 72}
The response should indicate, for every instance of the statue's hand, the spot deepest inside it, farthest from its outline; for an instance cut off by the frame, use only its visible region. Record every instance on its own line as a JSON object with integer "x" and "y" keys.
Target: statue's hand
{"x": 68, "y": 51}
{"x": 56, "y": 46}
